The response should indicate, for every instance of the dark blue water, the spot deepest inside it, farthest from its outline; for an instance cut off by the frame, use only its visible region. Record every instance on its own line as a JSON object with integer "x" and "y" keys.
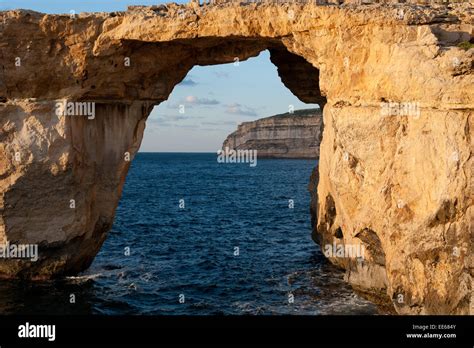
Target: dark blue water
{"x": 190, "y": 253}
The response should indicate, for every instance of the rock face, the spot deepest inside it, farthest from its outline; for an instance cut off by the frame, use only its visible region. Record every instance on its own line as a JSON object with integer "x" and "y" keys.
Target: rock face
{"x": 287, "y": 135}
{"x": 396, "y": 163}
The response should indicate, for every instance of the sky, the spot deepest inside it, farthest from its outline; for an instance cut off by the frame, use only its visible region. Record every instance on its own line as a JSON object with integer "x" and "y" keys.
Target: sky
{"x": 209, "y": 103}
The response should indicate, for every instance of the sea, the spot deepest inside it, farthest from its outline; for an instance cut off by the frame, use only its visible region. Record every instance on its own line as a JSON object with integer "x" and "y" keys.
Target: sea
{"x": 196, "y": 237}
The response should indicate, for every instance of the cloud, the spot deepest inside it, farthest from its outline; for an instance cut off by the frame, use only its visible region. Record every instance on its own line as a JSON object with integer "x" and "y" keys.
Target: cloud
{"x": 239, "y": 109}
{"x": 188, "y": 82}
{"x": 193, "y": 100}
{"x": 218, "y": 126}
{"x": 167, "y": 120}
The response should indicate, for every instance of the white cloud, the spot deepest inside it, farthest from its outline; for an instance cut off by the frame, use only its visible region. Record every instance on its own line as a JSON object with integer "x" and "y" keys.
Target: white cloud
{"x": 239, "y": 109}
{"x": 193, "y": 100}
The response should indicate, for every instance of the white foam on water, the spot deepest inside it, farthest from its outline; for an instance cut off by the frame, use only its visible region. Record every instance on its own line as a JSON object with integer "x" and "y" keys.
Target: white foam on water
{"x": 84, "y": 278}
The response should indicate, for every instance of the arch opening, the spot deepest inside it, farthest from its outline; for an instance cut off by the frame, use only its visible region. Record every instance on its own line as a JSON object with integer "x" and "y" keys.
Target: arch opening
{"x": 222, "y": 234}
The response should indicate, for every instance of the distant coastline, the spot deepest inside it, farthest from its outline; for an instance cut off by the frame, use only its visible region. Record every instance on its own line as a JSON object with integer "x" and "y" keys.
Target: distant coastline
{"x": 288, "y": 135}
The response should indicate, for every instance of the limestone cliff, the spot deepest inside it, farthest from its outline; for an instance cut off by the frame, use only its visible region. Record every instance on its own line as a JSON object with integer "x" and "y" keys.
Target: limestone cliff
{"x": 396, "y": 164}
{"x": 290, "y": 135}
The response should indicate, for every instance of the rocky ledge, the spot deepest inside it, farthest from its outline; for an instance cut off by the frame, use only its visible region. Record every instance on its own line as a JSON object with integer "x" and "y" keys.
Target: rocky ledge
{"x": 289, "y": 135}
{"x": 396, "y": 164}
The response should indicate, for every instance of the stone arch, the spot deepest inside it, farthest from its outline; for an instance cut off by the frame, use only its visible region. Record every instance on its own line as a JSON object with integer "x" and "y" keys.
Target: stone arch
{"x": 390, "y": 172}
{"x": 124, "y": 79}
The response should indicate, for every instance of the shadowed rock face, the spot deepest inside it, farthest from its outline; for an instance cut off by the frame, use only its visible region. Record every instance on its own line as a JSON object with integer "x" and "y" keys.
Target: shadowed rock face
{"x": 394, "y": 180}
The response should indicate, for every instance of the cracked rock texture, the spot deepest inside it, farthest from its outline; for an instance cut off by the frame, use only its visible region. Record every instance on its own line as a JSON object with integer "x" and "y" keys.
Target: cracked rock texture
{"x": 399, "y": 183}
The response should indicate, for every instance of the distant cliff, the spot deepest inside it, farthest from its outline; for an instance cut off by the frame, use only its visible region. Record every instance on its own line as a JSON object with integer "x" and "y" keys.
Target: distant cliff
{"x": 294, "y": 135}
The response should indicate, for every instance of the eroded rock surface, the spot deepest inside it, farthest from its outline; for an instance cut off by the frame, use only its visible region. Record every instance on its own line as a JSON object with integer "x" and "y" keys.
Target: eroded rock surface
{"x": 397, "y": 182}
{"x": 294, "y": 135}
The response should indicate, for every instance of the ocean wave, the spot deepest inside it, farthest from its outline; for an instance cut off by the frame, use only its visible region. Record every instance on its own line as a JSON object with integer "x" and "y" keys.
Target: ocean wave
{"x": 84, "y": 278}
